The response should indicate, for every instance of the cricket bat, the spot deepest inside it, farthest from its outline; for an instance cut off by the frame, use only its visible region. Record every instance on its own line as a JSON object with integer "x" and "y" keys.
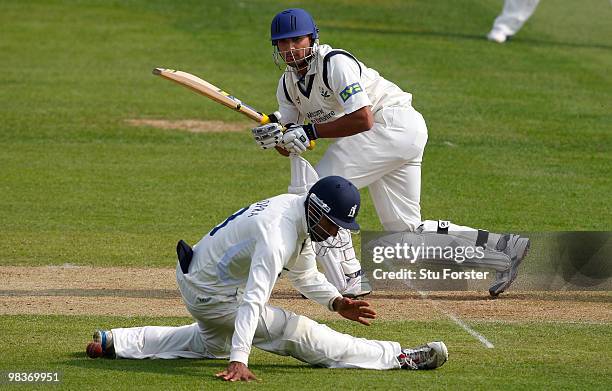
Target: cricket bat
{"x": 210, "y": 91}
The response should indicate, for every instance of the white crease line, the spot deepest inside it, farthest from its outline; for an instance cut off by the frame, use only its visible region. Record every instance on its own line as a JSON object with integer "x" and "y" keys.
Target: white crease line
{"x": 424, "y": 295}
{"x": 458, "y": 321}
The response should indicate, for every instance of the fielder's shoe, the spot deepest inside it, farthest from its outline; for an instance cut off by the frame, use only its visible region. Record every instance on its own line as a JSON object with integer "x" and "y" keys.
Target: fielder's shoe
{"x": 103, "y": 339}
{"x": 497, "y": 35}
{"x": 357, "y": 285}
{"x": 516, "y": 248}
{"x": 430, "y": 356}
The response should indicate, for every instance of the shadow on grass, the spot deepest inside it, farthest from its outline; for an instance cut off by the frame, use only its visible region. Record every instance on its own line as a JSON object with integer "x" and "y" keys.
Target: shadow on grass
{"x": 584, "y": 297}
{"x": 182, "y": 367}
{"x": 473, "y": 37}
{"x": 517, "y": 296}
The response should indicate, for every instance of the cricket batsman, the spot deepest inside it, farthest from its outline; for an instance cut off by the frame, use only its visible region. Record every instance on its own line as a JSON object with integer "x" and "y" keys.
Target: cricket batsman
{"x": 227, "y": 278}
{"x": 379, "y": 143}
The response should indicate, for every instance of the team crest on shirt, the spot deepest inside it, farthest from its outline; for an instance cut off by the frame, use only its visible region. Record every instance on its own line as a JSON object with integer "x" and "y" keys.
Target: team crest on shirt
{"x": 297, "y": 100}
{"x": 324, "y": 93}
{"x": 350, "y": 90}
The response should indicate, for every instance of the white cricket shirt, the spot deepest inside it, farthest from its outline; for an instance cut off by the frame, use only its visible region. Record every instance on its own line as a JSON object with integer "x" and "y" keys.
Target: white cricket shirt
{"x": 336, "y": 84}
{"x": 247, "y": 252}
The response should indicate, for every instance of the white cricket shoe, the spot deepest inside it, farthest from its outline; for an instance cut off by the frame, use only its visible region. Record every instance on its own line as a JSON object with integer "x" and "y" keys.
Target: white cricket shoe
{"x": 357, "y": 285}
{"x": 429, "y": 356}
{"x": 497, "y": 35}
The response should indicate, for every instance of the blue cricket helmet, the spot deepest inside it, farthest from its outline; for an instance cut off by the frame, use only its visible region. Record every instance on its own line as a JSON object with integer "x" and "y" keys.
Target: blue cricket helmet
{"x": 293, "y": 22}
{"x": 338, "y": 199}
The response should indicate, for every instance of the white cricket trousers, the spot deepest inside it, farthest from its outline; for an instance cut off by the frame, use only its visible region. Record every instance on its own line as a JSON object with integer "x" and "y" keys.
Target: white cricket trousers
{"x": 514, "y": 15}
{"x": 279, "y": 331}
{"x": 386, "y": 159}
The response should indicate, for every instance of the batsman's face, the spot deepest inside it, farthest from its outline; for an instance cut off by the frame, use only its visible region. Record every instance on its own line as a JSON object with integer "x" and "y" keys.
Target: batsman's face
{"x": 295, "y": 50}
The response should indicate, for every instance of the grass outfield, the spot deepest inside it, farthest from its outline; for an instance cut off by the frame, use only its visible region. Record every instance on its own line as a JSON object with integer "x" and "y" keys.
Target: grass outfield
{"x": 528, "y": 356}
{"x": 519, "y": 133}
{"x": 519, "y": 140}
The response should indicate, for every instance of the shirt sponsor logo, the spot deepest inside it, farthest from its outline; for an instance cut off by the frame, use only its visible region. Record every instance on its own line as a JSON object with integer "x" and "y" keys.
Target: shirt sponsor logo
{"x": 349, "y": 91}
{"x": 318, "y": 116}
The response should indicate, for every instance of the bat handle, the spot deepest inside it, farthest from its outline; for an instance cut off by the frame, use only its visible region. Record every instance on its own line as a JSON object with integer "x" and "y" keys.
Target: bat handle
{"x": 266, "y": 120}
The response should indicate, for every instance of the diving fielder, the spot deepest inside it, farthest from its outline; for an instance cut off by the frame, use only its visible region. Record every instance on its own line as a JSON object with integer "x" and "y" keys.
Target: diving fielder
{"x": 227, "y": 279}
{"x": 380, "y": 140}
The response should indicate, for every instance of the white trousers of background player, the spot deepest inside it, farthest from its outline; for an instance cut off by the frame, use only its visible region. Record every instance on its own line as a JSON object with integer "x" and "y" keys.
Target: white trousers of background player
{"x": 387, "y": 160}
{"x": 336, "y": 263}
{"x": 514, "y": 15}
{"x": 278, "y": 331}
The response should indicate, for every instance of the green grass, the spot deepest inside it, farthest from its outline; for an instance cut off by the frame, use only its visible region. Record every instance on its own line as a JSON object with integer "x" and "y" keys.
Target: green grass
{"x": 519, "y": 140}
{"x": 526, "y": 356}
{"x": 519, "y": 133}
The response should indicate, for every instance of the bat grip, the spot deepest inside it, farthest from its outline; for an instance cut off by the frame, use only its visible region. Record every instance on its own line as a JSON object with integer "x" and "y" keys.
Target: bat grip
{"x": 266, "y": 120}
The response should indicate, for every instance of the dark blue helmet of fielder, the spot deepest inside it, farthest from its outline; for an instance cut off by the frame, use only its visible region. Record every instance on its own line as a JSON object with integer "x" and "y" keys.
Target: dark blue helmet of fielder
{"x": 337, "y": 199}
{"x": 293, "y": 22}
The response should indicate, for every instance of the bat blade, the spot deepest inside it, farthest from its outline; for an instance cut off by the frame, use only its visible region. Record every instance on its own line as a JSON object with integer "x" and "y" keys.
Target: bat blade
{"x": 210, "y": 91}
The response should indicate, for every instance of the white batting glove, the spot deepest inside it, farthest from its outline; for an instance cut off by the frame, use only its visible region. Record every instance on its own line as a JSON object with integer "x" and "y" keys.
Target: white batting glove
{"x": 297, "y": 138}
{"x": 267, "y": 136}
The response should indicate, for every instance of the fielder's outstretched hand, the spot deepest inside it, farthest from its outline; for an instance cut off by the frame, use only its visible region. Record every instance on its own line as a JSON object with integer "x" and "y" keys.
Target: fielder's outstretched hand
{"x": 236, "y": 371}
{"x": 357, "y": 310}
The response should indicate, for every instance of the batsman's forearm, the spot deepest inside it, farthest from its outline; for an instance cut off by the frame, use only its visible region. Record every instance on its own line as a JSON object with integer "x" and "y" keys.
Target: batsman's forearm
{"x": 347, "y": 125}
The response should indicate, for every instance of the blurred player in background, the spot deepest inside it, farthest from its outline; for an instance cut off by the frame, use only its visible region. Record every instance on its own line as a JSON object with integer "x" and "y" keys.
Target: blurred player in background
{"x": 513, "y": 16}
{"x": 380, "y": 140}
